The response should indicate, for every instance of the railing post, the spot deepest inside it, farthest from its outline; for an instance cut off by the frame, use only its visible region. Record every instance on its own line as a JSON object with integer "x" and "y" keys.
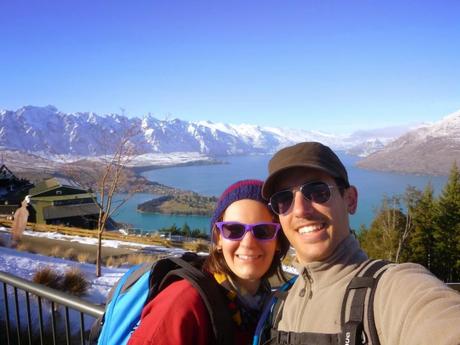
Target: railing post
{"x": 7, "y": 314}
{"x": 16, "y": 309}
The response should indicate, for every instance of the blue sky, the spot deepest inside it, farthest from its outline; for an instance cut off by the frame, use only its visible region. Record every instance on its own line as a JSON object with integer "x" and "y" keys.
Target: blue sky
{"x": 333, "y": 66}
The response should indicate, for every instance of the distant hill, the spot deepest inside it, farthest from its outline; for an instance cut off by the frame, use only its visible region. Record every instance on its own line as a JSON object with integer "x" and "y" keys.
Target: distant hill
{"x": 184, "y": 204}
{"x": 431, "y": 149}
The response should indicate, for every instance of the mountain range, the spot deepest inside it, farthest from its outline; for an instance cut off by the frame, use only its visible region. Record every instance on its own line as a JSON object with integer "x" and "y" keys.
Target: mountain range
{"x": 48, "y": 132}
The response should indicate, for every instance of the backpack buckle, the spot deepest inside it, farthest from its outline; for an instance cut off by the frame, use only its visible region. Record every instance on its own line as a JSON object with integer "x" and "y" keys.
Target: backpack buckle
{"x": 284, "y": 337}
{"x": 353, "y": 334}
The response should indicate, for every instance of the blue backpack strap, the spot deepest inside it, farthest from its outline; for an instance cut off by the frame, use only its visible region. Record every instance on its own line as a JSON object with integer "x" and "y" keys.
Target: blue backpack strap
{"x": 264, "y": 319}
{"x": 106, "y": 331}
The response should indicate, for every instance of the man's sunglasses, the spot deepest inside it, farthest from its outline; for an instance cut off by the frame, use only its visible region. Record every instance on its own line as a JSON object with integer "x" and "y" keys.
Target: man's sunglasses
{"x": 235, "y": 231}
{"x": 318, "y": 192}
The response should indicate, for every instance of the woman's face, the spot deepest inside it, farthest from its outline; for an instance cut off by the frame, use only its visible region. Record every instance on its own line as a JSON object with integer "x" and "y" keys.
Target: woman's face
{"x": 249, "y": 259}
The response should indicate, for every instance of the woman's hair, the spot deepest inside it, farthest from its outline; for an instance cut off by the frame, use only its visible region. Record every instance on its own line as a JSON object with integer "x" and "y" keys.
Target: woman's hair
{"x": 246, "y": 189}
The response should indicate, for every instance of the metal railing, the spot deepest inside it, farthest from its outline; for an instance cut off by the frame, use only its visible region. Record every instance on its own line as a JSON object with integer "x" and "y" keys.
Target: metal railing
{"x": 19, "y": 327}
{"x": 455, "y": 286}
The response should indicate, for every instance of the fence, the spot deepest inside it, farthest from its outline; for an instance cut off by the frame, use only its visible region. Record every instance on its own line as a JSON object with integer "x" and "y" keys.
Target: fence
{"x": 17, "y": 311}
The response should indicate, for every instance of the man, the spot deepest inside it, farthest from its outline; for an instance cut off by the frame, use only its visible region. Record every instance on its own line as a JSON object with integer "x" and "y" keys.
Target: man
{"x": 308, "y": 188}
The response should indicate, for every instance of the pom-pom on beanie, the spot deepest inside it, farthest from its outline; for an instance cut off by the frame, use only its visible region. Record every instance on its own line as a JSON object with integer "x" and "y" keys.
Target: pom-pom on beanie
{"x": 244, "y": 189}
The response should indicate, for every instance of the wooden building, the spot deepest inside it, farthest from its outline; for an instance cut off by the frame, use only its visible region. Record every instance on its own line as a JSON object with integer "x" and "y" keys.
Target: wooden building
{"x": 13, "y": 190}
{"x": 61, "y": 201}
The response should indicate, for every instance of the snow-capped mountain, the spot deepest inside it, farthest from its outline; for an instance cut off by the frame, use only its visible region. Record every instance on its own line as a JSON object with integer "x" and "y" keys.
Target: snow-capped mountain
{"x": 47, "y": 131}
{"x": 430, "y": 149}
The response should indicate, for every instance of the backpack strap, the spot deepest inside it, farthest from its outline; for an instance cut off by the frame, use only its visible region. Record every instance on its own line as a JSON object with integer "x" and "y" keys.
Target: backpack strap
{"x": 123, "y": 284}
{"x": 211, "y": 295}
{"x": 370, "y": 310}
{"x": 116, "y": 293}
{"x": 294, "y": 338}
{"x": 364, "y": 281}
{"x": 271, "y": 309}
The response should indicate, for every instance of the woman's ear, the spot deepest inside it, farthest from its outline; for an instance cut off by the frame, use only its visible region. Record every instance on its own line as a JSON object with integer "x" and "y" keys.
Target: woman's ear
{"x": 218, "y": 239}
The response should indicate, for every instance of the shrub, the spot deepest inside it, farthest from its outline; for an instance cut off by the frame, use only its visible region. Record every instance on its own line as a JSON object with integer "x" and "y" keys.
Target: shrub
{"x": 83, "y": 257}
{"x": 112, "y": 262}
{"x": 136, "y": 259}
{"x": 24, "y": 247}
{"x": 70, "y": 254}
{"x": 46, "y": 276}
{"x": 196, "y": 246}
{"x": 74, "y": 282}
{"x": 55, "y": 251}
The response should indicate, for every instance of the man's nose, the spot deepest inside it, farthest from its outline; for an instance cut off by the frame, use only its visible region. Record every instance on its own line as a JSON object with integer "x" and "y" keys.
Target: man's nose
{"x": 302, "y": 206}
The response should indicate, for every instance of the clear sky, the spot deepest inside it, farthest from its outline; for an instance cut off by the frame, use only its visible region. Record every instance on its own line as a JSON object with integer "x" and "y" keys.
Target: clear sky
{"x": 333, "y": 66}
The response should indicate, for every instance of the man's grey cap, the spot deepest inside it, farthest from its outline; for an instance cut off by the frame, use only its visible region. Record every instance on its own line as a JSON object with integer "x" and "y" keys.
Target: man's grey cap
{"x": 303, "y": 155}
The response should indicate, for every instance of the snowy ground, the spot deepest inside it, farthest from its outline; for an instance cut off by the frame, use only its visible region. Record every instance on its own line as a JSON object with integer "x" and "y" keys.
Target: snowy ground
{"x": 24, "y": 265}
{"x": 146, "y": 159}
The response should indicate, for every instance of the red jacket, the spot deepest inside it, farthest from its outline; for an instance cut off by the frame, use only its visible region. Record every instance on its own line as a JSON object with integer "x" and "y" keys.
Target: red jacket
{"x": 178, "y": 316}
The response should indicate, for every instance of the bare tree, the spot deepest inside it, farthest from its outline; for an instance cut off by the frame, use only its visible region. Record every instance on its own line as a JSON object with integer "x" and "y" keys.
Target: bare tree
{"x": 108, "y": 177}
{"x": 391, "y": 229}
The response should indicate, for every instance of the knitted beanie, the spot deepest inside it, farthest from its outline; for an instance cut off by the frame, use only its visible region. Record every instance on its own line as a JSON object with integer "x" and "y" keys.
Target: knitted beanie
{"x": 244, "y": 189}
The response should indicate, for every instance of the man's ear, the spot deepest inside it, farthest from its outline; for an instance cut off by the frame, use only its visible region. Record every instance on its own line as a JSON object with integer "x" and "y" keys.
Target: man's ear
{"x": 351, "y": 199}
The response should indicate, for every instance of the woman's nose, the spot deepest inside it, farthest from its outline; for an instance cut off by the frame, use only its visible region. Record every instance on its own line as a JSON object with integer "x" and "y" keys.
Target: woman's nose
{"x": 248, "y": 239}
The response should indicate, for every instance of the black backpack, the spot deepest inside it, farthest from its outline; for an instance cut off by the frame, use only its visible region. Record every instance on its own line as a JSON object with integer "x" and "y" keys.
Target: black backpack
{"x": 364, "y": 284}
{"x": 142, "y": 283}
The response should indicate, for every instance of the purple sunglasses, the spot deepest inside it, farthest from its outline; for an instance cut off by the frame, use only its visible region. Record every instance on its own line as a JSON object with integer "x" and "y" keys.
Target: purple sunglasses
{"x": 235, "y": 231}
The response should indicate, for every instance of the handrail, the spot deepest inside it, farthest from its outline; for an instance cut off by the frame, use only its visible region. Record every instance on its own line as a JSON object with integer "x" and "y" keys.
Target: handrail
{"x": 455, "y": 286}
{"x": 16, "y": 315}
{"x": 52, "y": 295}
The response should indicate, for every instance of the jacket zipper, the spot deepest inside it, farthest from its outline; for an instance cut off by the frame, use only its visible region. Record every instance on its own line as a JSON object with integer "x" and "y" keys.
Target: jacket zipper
{"x": 305, "y": 291}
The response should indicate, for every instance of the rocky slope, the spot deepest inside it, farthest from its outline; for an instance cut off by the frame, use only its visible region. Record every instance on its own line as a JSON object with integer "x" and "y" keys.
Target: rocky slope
{"x": 431, "y": 149}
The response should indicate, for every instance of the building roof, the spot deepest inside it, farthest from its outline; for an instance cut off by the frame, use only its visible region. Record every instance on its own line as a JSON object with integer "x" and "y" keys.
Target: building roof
{"x": 6, "y": 174}
{"x": 53, "y": 183}
{"x": 65, "y": 211}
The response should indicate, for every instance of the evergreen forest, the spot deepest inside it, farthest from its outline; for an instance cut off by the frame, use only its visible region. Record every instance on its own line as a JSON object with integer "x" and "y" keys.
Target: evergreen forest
{"x": 419, "y": 227}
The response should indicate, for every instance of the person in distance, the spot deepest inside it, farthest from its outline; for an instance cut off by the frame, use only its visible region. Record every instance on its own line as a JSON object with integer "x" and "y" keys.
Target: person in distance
{"x": 308, "y": 188}
{"x": 247, "y": 248}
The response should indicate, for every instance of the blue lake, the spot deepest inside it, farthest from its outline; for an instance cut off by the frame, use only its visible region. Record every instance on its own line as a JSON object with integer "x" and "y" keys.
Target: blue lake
{"x": 213, "y": 179}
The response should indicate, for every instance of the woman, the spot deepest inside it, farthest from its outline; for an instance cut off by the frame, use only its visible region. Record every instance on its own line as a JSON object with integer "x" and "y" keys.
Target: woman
{"x": 248, "y": 247}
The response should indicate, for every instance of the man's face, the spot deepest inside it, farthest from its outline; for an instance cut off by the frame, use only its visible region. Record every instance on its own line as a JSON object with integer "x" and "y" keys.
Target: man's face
{"x": 315, "y": 230}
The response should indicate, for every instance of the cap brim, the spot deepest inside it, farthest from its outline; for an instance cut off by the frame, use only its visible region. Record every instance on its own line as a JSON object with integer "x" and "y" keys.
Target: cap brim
{"x": 269, "y": 185}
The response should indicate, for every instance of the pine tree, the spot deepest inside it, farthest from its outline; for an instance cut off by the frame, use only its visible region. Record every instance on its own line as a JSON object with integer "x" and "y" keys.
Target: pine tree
{"x": 386, "y": 237}
{"x": 186, "y": 231}
{"x": 446, "y": 262}
{"x": 421, "y": 240}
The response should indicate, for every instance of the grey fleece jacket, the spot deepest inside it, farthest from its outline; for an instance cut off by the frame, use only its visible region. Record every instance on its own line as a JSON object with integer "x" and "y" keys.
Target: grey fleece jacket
{"x": 411, "y": 305}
